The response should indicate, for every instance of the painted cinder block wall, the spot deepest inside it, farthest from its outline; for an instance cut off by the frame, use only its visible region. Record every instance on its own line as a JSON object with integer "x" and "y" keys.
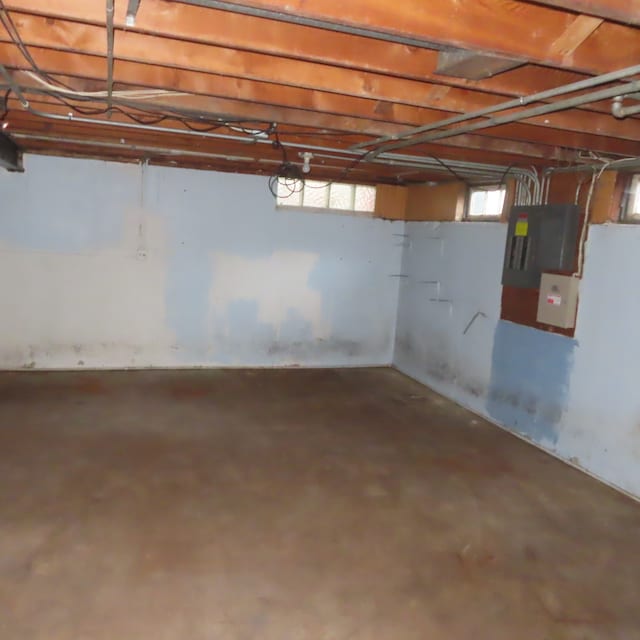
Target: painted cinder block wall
{"x": 115, "y": 265}
{"x": 576, "y": 397}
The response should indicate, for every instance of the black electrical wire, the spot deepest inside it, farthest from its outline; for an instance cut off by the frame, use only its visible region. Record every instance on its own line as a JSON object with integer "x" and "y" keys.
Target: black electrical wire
{"x": 506, "y": 173}
{"x": 102, "y": 111}
{"x": 317, "y": 134}
{"x": 455, "y": 174}
{"x": 159, "y": 116}
{"x": 208, "y": 129}
{"x": 289, "y": 176}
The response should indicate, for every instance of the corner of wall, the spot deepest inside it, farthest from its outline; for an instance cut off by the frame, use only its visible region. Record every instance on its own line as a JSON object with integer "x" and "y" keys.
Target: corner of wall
{"x": 401, "y": 271}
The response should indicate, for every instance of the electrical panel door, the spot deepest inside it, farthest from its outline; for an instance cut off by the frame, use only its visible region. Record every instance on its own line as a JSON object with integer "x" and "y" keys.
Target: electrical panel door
{"x": 540, "y": 238}
{"x": 558, "y": 300}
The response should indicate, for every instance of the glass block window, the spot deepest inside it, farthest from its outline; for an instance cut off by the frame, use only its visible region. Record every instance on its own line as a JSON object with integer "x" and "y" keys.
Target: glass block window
{"x": 337, "y": 196}
{"x": 631, "y": 208}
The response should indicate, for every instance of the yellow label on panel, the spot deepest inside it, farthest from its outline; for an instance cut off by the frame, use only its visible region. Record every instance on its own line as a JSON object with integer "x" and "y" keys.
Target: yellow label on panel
{"x": 522, "y": 228}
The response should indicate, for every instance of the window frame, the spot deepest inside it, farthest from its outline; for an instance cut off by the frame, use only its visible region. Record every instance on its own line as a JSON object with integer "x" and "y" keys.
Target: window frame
{"x": 630, "y": 192}
{"x": 351, "y": 210}
{"x": 484, "y": 187}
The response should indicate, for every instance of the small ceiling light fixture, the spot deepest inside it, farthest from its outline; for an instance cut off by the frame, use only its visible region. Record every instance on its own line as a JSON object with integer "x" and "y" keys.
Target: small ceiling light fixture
{"x": 306, "y": 161}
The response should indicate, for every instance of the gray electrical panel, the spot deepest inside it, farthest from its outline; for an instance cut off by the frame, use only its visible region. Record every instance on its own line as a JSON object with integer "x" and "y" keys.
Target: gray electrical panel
{"x": 540, "y": 238}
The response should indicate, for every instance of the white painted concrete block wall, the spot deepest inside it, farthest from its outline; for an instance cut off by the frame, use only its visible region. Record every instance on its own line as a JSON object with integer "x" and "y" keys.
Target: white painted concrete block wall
{"x": 104, "y": 265}
{"x": 577, "y": 398}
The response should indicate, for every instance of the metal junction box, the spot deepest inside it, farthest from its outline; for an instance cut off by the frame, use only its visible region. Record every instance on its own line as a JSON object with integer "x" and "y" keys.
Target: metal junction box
{"x": 558, "y": 300}
{"x": 540, "y": 238}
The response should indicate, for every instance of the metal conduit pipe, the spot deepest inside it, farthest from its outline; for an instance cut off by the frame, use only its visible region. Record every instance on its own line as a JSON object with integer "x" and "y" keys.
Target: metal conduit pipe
{"x": 427, "y": 163}
{"x": 410, "y": 161}
{"x": 397, "y": 159}
{"x": 618, "y": 111}
{"x": 470, "y": 168}
{"x": 110, "y": 36}
{"x": 511, "y": 104}
{"x": 612, "y": 165}
{"x": 594, "y": 96}
{"x": 132, "y": 12}
{"x": 175, "y": 152}
{"x": 134, "y": 147}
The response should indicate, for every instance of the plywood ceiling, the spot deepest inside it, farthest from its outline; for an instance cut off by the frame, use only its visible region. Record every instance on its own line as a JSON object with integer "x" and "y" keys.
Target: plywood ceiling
{"x": 245, "y": 86}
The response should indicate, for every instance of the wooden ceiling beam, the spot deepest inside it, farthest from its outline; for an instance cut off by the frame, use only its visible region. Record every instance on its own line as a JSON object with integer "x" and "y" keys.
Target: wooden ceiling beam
{"x": 225, "y": 63}
{"x": 521, "y": 139}
{"x": 578, "y": 31}
{"x": 624, "y": 11}
{"x": 68, "y": 149}
{"x": 515, "y": 139}
{"x": 136, "y": 47}
{"x": 98, "y": 146}
{"x": 502, "y": 27}
{"x": 181, "y": 21}
{"x": 461, "y": 149}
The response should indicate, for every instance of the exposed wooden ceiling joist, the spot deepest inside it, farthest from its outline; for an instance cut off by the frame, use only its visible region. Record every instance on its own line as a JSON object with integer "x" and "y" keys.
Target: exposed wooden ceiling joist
{"x": 526, "y": 31}
{"x": 321, "y": 87}
{"x": 625, "y": 11}
{"x": 179, "y": 21}
{"x": 476, "y": 150}
{"x": 224, "y": 29}
{"x": 387, "y": 99}
{"x": 512, "y": 140}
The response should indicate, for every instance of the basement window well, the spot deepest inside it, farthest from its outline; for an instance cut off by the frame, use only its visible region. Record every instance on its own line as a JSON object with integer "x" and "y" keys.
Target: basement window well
{"x": 485, "y": 203}
{"x": 335, "y": 196}
{"x": 631, "y": 201}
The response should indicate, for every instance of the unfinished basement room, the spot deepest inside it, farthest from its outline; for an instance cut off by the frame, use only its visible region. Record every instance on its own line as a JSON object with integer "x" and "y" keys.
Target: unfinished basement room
{"x": 319, "y": 320}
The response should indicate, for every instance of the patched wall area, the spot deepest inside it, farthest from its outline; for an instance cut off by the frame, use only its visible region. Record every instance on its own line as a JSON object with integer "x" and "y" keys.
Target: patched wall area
{"x": 575, "y": 397}
{"x": 116, "y": 265}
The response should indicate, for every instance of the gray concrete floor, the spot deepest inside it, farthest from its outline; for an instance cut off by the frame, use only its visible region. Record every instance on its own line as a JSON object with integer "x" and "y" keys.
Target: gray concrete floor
{"x": 296, "y": 504}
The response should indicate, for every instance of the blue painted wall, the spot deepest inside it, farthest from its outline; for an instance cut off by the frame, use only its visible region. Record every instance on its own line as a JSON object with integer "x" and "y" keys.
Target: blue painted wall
{"x": 577, "y": 398}
{"x": 529, "y": 386}
{"x": 107, "y": 264}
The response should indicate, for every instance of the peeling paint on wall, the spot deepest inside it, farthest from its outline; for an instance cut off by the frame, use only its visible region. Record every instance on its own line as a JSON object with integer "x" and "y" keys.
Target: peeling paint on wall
{"x": 112, "y": 265}
{"x": 277, "y": 285}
